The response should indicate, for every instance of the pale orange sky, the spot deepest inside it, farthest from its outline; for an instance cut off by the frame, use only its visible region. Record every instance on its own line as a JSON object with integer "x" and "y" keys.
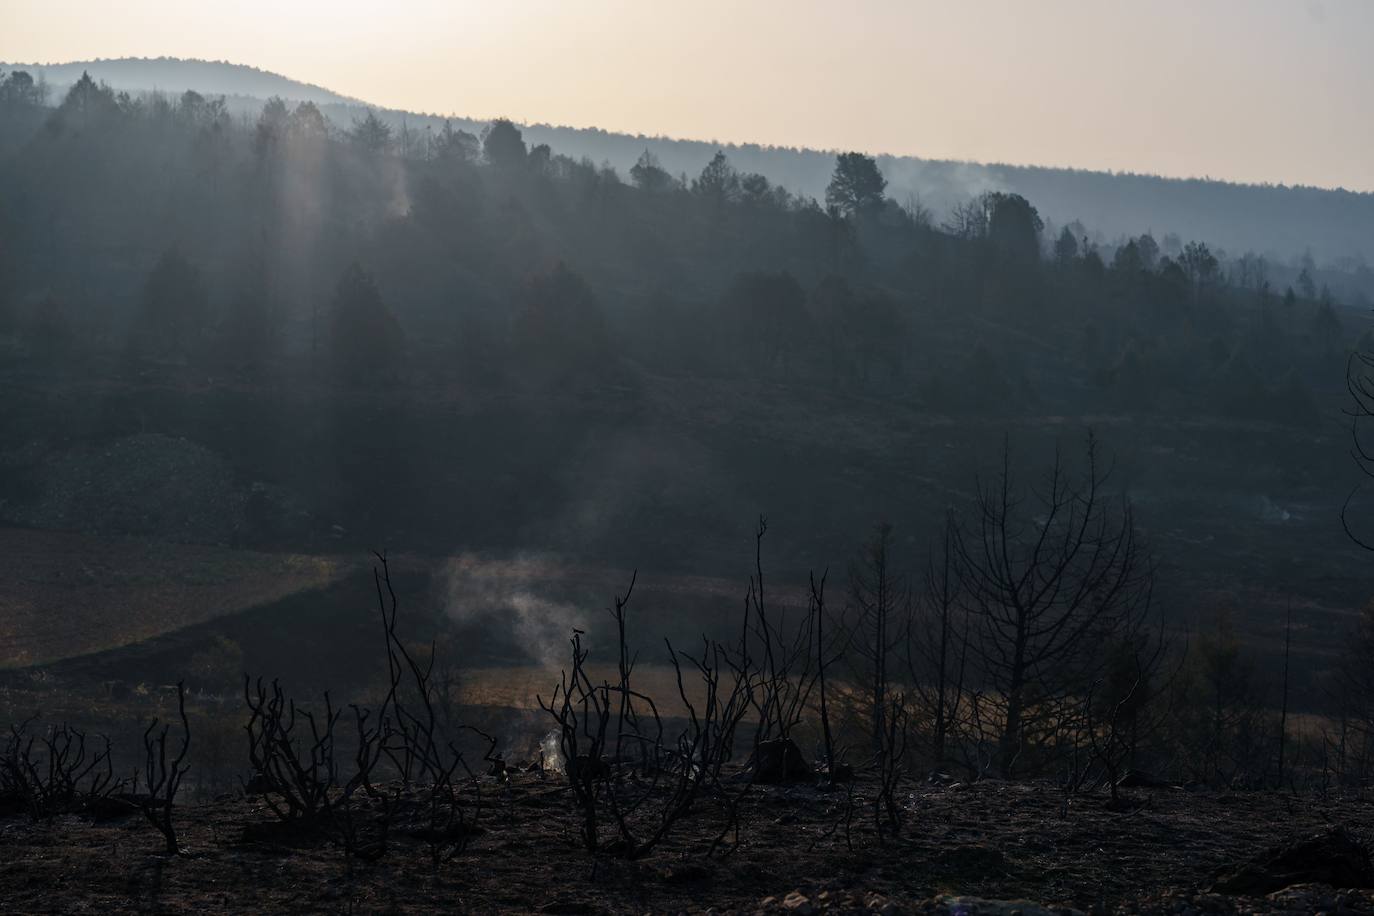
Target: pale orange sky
{"x": 1251, "y": 90}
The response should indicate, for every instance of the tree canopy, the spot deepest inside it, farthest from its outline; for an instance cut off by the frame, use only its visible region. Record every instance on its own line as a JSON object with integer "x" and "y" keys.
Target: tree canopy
{"x": 856, "y": 186}
{"x": 503, "y": 146}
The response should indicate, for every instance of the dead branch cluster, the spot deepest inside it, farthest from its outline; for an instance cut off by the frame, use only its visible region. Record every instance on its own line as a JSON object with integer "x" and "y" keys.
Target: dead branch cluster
{"x": 397, "y": 768}
{"x": 632, "y": 775}
{"x": 1029, "y": 648}
{"x": 57, "y": 771}
{"x": 1028, "y": 645}
{"x": 54, "y": 772}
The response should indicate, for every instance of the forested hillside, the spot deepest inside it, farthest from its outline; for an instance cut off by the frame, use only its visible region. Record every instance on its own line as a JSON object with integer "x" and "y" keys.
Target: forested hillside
{"x": 464, "y": 340}
{"x": 1280, "y": 223}
{"x": 176, "y": 75}
{"x": 454, "y": 226}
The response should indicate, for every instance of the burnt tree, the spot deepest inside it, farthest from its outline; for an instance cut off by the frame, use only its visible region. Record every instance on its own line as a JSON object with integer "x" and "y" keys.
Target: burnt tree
{"x": 1049, "y": 573}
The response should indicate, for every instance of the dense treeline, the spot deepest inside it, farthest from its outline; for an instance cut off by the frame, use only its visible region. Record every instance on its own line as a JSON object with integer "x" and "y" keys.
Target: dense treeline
{"x": 165, "y": 229}
{"x": 1276, "y": 220}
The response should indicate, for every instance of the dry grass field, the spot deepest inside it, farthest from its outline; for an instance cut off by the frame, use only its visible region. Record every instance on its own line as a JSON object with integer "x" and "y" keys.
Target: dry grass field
{"x": 68, "y": 595}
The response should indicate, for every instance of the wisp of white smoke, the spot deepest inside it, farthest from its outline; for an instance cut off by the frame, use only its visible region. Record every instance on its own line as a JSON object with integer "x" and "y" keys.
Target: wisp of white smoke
{"x": 502, "y": 593}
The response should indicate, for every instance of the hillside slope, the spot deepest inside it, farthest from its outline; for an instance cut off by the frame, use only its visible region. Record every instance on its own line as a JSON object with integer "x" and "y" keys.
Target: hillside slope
{"x": 1278, "y": 221}
{"x": 176, "y": 75}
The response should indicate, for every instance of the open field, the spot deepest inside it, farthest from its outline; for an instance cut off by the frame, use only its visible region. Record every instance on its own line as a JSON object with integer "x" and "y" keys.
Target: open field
{"x": 68, "y": 595}
{"x": 134, "y": 609}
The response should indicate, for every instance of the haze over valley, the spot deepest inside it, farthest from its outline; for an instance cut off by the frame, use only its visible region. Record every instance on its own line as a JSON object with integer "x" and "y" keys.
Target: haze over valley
{"x": 426, "y": 512}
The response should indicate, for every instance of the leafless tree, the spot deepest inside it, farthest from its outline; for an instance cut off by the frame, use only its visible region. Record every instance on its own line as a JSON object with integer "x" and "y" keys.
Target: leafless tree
{"x": 582, "y": 711}
{"x": 1283, "y": 709}
{"x": 786, "y": 662}
{"x": 162, "y": 774}
{"x": 891, "y": 766}
{"x": 1121, "y": 709}
{"x": 1354, "y": 685}
{"x": 301, "y": 769}
{"x": 1352, "y": 745}
{"x": 879, "y": 616}
{"x": 616, "y": 757}
{"x": 937, "y": 647}
{"x": 968, "y": 220}
{"x": 817, "y": 614}
{"x": 414, "y": 741}
{"x": 54, "y": 772}
{"x": 1359, "y": 381}
{"x": 1048, "y": 573}
{"x": 294, "y": 777}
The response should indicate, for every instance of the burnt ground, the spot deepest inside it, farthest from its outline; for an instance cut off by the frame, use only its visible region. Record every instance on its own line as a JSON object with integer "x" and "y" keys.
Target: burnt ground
{"x": 992, "y": 840}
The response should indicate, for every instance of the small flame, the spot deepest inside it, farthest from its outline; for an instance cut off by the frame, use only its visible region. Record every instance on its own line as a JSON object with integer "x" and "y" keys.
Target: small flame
{"x": 551, "y": 753}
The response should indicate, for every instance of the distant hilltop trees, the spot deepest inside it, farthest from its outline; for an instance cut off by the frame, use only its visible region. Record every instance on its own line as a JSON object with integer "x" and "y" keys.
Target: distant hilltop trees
{"x": 1277, "y": 221}
{"x": 169, "y": 229}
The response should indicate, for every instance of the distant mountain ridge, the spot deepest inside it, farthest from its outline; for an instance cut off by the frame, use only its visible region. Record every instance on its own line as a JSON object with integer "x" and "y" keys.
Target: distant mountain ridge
{"x": 1278, "y": 221}
{"x": 176, "y": 75}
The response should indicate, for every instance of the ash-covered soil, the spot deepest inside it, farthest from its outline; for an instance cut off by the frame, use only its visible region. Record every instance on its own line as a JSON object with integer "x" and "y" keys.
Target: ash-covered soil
{"x": 965, "y": 848}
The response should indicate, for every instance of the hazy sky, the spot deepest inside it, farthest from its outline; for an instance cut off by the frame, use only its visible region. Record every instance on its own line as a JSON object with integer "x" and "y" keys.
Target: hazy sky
{"x": 1256, "y": 90}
